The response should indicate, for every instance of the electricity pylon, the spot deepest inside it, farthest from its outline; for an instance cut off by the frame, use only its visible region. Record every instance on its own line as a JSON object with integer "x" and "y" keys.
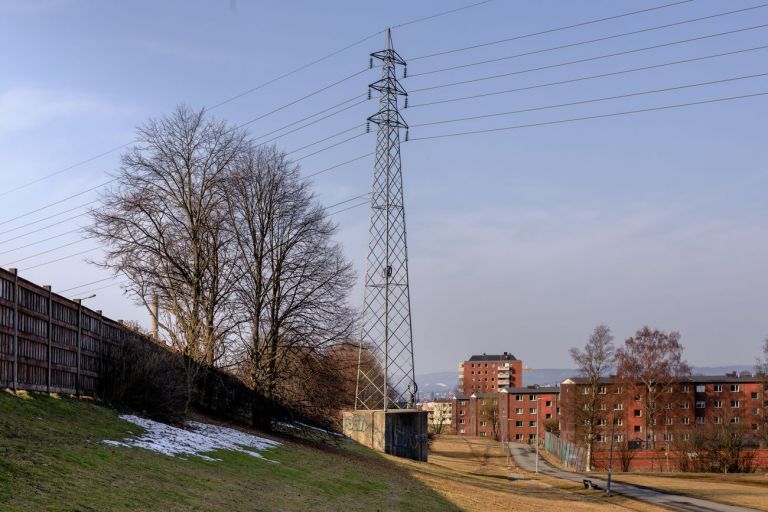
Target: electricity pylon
{"x": 385, "y": 377}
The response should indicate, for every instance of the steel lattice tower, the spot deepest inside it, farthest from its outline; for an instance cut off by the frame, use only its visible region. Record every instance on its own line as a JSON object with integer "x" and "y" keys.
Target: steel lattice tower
{"x": 385, "y": 377}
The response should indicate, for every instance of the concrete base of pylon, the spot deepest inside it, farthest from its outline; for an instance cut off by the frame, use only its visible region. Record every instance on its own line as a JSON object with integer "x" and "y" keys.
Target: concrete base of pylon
{"x": 398, "y": 432}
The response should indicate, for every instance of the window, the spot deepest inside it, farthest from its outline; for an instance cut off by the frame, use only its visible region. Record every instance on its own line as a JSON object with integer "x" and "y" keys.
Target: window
{"x": 735, "y": 404}
{"x": 585, "y": 390}
{"x": 668, "y": 406}
{"x": 519, "y": 398}
{"x": 548, "y": 403}
{"x": 734, "y": 388}
{"x": 531, "y": 397}
{"x": 700, "y": 404}
{"x": 685, "y": 405}
{"x": 519, "y": 410}
{"x": 754, "y": 426}
{"x": 667, "y": 437}
{"x": 519, "y": 423}
{"x": 686, "y": 389}
{"x": 718, "y": 388}
{"x": 532, "y": 410}
{"x": 603, "y": 407}
{"x": 461, "y": 431}
{"x": 518, "y": 437}
{"x": 735, "y": 419}
{"x": 461, "y": 421}
{"x": 717, "y": 404}
{"x": 600, "y": 438}
{"x": 753, "y": 394}
{"x": 669, "y": 421}
{"x": 548, "y": 416}
{"x": 670, "y": 389}
{"x": 618, "y": 421}
{"x": 699, "y": 420}
{"x": 532, "y": 423}
{"x": 686, "y": 436}
{"x": 601, "y": 390}
{"x": 718, "y": 420}
{"x": 483, "y": 423}
{"x": 618, "y": 407}
{"x": 638, "y": 413}
{"x": 700, "y": 388}
{"x": 531, "y": 437}
{"x": 756, "y": 411}
{"x": 685, "y": 420}
{"x": 618, "y": 390}
{"x": 638, "y": 428}
{"x": 618, "y": 437}
{"x": 601, "y": 422}
{"x": 482, "y": 434}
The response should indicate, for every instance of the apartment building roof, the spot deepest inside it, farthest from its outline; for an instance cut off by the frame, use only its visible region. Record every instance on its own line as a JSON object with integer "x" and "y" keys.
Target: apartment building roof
{"x": 532, "y": 390}
{"x": 506, "y": 356}
{"x": 731, "y": 378}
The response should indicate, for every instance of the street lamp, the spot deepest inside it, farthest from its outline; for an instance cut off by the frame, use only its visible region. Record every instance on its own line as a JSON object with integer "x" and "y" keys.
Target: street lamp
{"x": 610, "y": 454}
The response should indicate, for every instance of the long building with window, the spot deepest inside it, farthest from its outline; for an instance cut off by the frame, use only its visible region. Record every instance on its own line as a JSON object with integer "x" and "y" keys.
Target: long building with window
{"x": 669, "y": 418}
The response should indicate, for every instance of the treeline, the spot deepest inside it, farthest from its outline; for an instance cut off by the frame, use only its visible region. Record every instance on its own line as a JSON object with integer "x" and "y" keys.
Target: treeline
{"x": 224, "y": 239}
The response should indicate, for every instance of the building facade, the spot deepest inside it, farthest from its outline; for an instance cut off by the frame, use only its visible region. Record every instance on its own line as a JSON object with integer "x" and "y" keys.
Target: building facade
{"x": 439, "y": 415}
{"x": 669, "y": 418}
{"x": 526, "y": 413}
{"x": 490, "y": 373}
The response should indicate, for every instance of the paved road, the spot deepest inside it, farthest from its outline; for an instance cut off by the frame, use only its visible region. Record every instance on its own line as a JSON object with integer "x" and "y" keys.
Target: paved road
{"x": 525, "y": 458}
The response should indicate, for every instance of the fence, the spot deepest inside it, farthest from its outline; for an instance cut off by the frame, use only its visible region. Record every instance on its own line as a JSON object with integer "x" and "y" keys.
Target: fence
{"x": 50, "y": 343}
{"x": 571, "y": 455}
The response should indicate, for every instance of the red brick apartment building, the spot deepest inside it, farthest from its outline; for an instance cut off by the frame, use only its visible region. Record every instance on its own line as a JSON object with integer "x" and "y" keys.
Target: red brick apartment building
{"x": 694, "y": 402}
{"x": 490, "y": 373}
{"x": 513, "y": 414}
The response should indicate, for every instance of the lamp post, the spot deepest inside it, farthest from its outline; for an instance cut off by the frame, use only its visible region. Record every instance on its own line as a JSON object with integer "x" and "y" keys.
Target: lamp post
{"x": 610, "y": 454}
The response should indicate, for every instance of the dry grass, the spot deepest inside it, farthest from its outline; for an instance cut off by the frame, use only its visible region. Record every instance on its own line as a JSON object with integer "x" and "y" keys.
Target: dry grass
{"x": 744, "y": 490}
{"x": 474, "y": 474}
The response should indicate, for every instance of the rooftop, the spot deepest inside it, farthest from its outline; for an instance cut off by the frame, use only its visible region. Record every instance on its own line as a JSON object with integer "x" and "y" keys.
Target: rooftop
{"x": 533, "y": 390}
{"x": 693, "y": 379}
{"x": 506, "y": 356}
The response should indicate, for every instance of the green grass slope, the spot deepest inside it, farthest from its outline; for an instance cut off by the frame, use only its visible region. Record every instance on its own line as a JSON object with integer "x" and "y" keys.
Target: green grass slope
{"x": 52, "y": 458}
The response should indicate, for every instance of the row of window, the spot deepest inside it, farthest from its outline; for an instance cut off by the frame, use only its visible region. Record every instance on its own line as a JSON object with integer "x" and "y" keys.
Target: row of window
{"x": 700, "y": 388}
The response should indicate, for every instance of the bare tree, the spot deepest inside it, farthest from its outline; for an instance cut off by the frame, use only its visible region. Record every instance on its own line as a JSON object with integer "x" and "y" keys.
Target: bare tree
{"x": 295, "y": 280}
{"x": 761, "y": 370}
{"x": 594, "y": 362}
{"x": 162, "y": 226}
{"x": 652, "y": 359}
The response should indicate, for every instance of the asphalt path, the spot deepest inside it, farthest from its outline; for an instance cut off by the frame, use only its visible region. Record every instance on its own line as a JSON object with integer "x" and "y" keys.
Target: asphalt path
{"x": 525, "y": 458}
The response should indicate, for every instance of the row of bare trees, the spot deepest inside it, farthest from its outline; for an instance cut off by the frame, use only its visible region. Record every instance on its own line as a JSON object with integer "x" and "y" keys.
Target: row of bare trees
{"x": 233, "y": 245}
{"x": 645, "y": 372}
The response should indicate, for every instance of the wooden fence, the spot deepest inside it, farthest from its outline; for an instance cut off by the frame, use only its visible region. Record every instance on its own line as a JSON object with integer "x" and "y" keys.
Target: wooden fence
{"x": 50, "y": 343}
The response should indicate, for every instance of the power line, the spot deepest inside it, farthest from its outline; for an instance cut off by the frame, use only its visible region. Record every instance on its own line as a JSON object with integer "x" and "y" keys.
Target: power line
{"x": 326, "y": 138}
{"x": 86, "y": 292}
{"x": 548, "y": 31}
{"x": 313, "y": 115}
{"x": 600, "y": 116}
{"x": 45, "y": 207}
{"x": 588, "y": 41}
{"x": 338, "y": 165}
{"x": 60, "y": 259}
{"x": 111, "y": 278}
{"x": 69, "y": 244}
{"x": 364, "y": 203}
{"x": 41, "y": 220}
{"x": 589, "y": 59}
{"x": 592, "y": 100}
{"x": 590, "y": 77}
{"x": 38, "y": 242}
{"x": 331, "y": 146}
{"x": 437, "y": 15}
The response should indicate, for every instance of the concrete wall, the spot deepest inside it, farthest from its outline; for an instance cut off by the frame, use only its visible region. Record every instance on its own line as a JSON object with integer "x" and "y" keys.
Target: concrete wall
{"x": 402, "y": 433}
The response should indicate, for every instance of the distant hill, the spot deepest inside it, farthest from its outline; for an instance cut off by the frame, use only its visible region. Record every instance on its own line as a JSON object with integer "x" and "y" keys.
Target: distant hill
{"x": 443, "y": 384}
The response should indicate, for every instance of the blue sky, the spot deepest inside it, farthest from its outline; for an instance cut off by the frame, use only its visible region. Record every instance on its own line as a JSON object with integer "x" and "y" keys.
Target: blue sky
{"x": 520, "y": 240}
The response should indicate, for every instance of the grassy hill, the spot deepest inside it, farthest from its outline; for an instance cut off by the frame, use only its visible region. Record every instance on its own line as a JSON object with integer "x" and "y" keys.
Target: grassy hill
{"x": 52, "y": 457}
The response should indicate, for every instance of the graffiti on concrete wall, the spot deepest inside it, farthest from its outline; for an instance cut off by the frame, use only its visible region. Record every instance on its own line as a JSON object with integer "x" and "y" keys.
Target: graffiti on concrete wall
{"x": 356, "y": 423}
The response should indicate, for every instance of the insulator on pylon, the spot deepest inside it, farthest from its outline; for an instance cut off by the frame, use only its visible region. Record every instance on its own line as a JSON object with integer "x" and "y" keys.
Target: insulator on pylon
{"x": 406, "y": 135}
{"x": 405, "y": 71}
{"x": 369, "y": 93}
{"x": 406, "y": 102}
{"x": 370, "y": 63}
{"x": 368, "y": 127}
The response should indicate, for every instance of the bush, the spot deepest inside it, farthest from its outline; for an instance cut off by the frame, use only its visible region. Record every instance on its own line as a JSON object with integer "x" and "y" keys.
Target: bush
{"x": 146, "y": 378}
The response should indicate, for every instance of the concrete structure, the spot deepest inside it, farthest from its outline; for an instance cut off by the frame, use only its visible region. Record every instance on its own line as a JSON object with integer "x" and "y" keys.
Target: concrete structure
{"x": 399, "y": 432}
{"x": 693, "y": 402}
{"x": 490, "y": 373}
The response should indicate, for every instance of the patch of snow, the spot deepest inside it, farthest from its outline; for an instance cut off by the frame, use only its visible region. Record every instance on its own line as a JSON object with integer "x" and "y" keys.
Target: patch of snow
{"x": 197, "y": 439}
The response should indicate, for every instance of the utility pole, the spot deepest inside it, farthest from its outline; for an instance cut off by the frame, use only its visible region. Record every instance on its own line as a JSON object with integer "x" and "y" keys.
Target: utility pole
{"x": 610, "y": 454}
{"x": 386, "y": 315}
